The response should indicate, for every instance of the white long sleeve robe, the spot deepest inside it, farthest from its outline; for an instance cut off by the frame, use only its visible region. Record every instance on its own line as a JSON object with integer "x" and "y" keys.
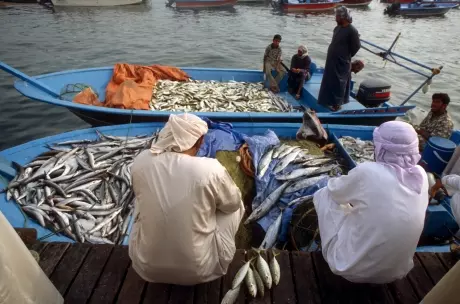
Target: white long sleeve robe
{"x": 370, "y": 224}
{"x": 187, "y": 213}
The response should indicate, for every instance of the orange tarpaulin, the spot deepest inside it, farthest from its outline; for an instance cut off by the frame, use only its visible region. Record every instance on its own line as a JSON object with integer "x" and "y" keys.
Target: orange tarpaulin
{"x": 131, "y": 86}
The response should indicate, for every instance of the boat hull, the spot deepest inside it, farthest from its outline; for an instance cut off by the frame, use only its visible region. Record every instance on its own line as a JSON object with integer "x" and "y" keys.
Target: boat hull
{"x": 98, "y": 78}
{"x": 107, "y": 119}
{"x": 85, "y": 3}
{"x": 356, "y": 3}
{"x": 435, "y": 225}
{"x": 309, "y": 7}
{"x": 420, "y": 10}
{"x": 205, "y": 4}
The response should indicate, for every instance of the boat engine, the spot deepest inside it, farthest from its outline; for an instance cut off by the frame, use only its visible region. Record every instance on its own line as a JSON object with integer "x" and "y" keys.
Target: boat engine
{"x": 373, "y": 93}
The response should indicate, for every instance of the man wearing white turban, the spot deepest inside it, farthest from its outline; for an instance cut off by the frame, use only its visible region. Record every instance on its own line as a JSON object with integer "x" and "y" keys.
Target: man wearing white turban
{"x": 188, "y": 209}
{"x": 370, "y": 220}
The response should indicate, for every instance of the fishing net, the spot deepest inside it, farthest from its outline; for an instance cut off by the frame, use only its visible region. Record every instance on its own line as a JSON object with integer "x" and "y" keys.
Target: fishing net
{"x": 71, "y": 90}
{"x": 233, "y": 161}
{"x": 303, "y": 229}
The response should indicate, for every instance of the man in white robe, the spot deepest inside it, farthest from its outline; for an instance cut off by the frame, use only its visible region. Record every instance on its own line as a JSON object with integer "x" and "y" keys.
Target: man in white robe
{"x": 370, "y": 220}
{"x": 188, "y": 209}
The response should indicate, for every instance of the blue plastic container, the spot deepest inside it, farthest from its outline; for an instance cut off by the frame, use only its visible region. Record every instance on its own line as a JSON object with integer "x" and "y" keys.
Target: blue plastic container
{"x": 437, "y": 154}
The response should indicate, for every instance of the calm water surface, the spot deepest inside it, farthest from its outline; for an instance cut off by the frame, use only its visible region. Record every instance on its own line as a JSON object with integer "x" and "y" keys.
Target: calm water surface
{"x": 36, "y": 41}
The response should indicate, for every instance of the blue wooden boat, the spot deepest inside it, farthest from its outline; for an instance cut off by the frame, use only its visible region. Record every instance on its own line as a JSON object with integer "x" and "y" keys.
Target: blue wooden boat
{"x": 351, "y": 113}
{"x": 438, "y": 216}
{"x": 419, "y": 9}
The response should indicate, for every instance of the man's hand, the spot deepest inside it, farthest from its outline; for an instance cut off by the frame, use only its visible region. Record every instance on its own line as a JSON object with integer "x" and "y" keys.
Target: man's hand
{"x": 436, "y": 187}
{"x": 423, "y": 133}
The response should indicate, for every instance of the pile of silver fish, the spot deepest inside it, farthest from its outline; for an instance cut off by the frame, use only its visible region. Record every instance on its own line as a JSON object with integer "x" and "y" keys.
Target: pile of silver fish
{"x": 256, "y": 278}
{"x": 81, "y": 188}
{"x": 214, "y": 96}
{"x": 360, "y": 150}
{"x": 310, "y": 170}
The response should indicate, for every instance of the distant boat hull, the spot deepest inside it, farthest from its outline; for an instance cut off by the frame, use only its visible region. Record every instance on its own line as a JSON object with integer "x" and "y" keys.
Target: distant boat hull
{"x": 419, "y": 9}
{"x": 424, "y": 2}
{"x": 356, "y": 3}
{"x": 307, "y": 7}
{"x": 204, "y": 3}
{"x": 95, "y": 2}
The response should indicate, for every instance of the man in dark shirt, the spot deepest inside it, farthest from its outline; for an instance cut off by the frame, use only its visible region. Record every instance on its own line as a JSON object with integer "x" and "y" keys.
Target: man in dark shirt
{"x": 335, "y": 86}
{"x": 299, "y": 71}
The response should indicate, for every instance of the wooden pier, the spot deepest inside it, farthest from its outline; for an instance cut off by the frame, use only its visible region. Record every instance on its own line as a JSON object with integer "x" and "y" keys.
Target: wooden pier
{"x": 86, "y": 273}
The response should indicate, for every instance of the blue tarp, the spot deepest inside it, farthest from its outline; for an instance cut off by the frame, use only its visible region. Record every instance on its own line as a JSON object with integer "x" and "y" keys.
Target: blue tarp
{"x": 221, "y": 136}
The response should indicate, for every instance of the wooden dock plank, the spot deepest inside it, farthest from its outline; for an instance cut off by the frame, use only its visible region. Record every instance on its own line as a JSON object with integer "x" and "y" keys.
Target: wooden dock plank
{"x": 419, "y": 279}
{"x": 102, "y": 273}
{"x": 432, "y": 265}
{"x": 447, "y": 259}
{"x": 181, "y": 294}
{"x": 51, "y": 255}
{"x": 112, "y": 276}
{"x": 133, "y": 286}
{"x": 403, "y": 292}
{"x": 68, "y": 268}
{"x": 267, "y": 298}
{"x": 284, "y": 292}
{"x": 157, "y": 293}
{"x": 335, "y": 289}
{"x": 37, "y": 246}
{"x": 238, "y": 260}
{"x": 82, "y": 287}
{"x": 307, "y": 289}
{"x": 208, "y": 293}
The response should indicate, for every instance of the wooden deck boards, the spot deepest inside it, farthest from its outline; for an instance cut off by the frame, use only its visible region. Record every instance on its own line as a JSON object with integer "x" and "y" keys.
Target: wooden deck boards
{"x": 102, "y": 274}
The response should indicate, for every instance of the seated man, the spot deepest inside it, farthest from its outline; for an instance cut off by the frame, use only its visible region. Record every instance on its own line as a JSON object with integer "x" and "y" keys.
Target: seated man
{"x": 272, "y": 61}
{"x": 299, "y": 71}
{"x": 188, "y": 209}
{"x": 370, "y": 220}
{"x": 438, "y": 122}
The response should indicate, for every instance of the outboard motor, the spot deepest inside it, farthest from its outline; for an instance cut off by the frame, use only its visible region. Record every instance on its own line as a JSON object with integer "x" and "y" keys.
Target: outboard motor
{"x": 373, "y": 93}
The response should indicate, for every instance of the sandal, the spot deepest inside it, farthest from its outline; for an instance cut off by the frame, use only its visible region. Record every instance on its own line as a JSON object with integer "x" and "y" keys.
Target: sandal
{"x": 334, "y": 108}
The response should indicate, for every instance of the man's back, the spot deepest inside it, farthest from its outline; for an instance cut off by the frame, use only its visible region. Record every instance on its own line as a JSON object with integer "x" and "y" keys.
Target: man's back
{"x": 177, "y": 197}
{"x": 373, "y": 241}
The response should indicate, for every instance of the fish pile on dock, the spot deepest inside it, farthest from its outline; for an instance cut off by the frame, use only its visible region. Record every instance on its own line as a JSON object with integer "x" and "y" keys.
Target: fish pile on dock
{"x": 255, "y": 277}
{"x": 81, "y": 188}
{"x": 214, "y": 96}
{"x": 360, "y": 150}
{"x": 310, "y": 170}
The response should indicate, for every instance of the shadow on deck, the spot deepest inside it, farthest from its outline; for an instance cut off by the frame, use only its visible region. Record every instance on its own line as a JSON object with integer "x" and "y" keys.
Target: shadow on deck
{"x": 86, "y": 273}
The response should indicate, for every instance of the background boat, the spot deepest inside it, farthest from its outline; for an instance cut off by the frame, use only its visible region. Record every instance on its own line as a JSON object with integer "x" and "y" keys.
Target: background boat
{"x": 202, "y": 3}
{"x": 85, "y": 3}
{"x": 438, "y": 219}
{"x": 356, "y": 3}
{"x": 419, "y": 9}
{"x": 351, "y": 113}
{"x": 307, "y": 6}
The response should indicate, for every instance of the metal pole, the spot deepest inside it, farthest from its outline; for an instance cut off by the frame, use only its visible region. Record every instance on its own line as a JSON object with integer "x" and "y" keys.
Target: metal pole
{"x": 397, "y": 63}
{"x": 397, "y": 55}
{"x": 418, "y": 89}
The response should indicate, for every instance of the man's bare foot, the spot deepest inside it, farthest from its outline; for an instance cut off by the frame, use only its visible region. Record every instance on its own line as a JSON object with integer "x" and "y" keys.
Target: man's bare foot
{"x": 297, "y": 96}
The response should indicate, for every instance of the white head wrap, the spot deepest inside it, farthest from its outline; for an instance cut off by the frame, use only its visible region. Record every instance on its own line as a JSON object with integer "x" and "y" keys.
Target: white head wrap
{"x": 304, "y": 50}
{"x": 180, "y": 133}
